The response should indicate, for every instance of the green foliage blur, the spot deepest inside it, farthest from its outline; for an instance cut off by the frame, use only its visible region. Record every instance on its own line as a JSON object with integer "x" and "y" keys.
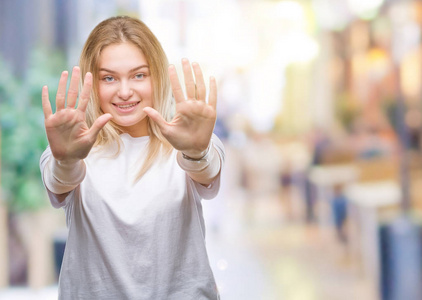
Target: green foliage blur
{"x": 23, "y": 136}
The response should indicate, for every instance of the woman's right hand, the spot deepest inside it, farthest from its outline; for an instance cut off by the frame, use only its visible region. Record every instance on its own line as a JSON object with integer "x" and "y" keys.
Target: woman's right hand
{"x": 68, "y": 134}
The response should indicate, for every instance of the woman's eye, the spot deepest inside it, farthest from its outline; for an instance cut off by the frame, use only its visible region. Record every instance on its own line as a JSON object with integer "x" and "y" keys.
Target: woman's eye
{"x": 108, "y": 79}
{"x": 139, "y": 76}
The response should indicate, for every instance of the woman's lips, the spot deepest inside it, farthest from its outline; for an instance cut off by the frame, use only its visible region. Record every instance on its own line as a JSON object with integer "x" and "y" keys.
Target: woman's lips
{"x": 126, "y": 107}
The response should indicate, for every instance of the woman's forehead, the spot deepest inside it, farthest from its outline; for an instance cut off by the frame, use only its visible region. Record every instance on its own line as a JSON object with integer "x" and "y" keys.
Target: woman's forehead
{"x": 122, "y": 56}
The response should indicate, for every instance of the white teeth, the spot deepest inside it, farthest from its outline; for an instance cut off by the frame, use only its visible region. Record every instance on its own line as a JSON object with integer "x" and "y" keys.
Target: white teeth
{"x": 126, "y": 106}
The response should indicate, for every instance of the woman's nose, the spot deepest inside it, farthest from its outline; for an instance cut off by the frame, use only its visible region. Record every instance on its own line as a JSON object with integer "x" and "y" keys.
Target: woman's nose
{"x": 125, "y": 90}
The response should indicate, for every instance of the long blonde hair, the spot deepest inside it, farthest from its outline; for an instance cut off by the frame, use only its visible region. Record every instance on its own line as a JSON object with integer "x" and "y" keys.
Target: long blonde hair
{"x": 123, "y": 29}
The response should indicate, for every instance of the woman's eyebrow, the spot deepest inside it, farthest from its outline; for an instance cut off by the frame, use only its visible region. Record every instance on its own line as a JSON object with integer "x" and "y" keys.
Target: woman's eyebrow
{"x": 138, "y": 68}
{"x": 131, "y": 70}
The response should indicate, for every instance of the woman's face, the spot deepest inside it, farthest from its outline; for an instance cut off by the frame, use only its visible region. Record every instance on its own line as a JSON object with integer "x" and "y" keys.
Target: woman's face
{"x": 125, "y": 87}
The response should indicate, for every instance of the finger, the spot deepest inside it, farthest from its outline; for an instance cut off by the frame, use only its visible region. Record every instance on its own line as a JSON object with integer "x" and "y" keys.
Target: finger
{"x": 46, "y": 106}
{"x": 99, "y": 123}
{"x": 212, "y": 99}
{"x": 200, "y": 82}
{"x": 61, "y": 91}
{"x": 157, "y": 118}
{"x": 175, "y": 85}
{"x": 72, "y": 93}
{"x": 86, "y": 92}
{"x": 189, "y": 82}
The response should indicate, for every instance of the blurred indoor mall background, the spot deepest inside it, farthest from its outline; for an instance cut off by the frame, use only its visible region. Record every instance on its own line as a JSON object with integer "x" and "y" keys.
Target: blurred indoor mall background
{"x": 320, "y": 111}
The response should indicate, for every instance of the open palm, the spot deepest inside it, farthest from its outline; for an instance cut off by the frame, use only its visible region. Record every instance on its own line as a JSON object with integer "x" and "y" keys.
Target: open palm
{"x": 191, "y": 129}
{"x": 68, "y": 134}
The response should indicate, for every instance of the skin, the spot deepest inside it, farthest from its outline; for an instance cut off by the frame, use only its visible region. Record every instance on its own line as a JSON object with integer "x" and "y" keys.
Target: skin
{"x": 125, "y": 80}
{"x": 190, "y": 131}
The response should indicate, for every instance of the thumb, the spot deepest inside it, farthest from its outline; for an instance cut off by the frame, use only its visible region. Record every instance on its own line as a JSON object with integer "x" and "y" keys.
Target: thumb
{"x": 156, "y": 117}
{"x": 99, "y": 124}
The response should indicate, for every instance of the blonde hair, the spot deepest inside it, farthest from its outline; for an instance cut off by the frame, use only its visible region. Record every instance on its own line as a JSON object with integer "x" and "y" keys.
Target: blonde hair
{"x": 123, "y": 29}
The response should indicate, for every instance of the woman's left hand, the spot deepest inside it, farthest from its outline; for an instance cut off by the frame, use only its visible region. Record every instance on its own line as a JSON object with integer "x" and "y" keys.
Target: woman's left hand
{"x": 192, "y": 126}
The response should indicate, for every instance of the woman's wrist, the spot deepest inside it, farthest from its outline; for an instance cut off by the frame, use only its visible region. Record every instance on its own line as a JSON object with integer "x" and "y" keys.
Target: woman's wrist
{"x": 197, "y": 156}
{"x": 68, "y": 163}
{"x": 197, "y": 165}
{"x": 63, "y": 176}
{"x": 203, "y": 170}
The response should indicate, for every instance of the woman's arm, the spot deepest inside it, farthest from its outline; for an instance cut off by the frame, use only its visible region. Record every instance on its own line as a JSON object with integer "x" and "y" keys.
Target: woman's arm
{"x": 68, "y": 134}
{"x": 191, "y": 129}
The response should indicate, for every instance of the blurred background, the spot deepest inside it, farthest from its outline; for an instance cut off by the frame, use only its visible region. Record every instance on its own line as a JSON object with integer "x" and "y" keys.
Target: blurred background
{"x": 320, "y": 111}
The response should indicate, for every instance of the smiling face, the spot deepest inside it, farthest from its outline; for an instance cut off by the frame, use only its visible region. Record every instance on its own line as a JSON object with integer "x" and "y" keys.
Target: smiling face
{"x": 125, "y": 87}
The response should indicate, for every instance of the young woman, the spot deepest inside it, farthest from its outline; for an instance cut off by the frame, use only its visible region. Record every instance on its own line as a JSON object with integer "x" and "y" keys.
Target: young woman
{"x": 130, "y": 173}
